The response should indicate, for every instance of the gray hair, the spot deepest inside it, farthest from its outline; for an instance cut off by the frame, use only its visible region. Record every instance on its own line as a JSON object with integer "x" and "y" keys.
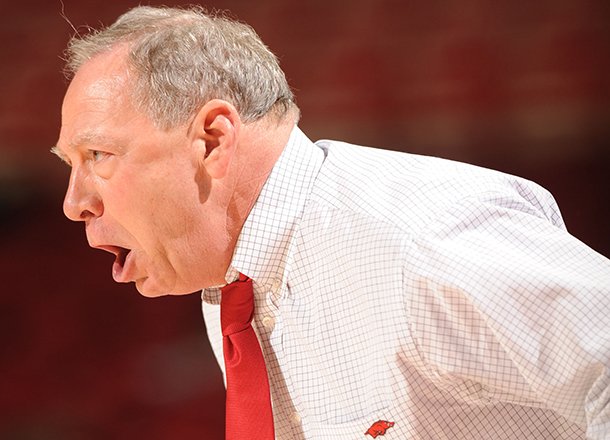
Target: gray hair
{"x": 182, "y": 58}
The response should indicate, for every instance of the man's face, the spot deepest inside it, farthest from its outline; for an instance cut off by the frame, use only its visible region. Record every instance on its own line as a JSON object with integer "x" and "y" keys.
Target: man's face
{"x": 140, "y": 191}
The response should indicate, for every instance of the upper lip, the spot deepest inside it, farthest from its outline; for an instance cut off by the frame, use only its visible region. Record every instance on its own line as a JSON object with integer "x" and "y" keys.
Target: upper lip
{"x": 119, "y": 252}
{"x": 116, "y": 250}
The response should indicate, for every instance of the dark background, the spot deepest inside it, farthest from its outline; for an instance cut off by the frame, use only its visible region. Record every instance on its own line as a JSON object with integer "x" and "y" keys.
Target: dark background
{"x": 520, "y": 86}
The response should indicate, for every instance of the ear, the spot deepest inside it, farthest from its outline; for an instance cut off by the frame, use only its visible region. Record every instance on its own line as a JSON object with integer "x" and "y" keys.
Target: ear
{"x": 215, "y": 133}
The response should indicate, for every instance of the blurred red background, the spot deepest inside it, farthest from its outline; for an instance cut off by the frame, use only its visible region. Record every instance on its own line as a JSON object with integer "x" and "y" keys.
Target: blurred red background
{"x": 523, "y": 87}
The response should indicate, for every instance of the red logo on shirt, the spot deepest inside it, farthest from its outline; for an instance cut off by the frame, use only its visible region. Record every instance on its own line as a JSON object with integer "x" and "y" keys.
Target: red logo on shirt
{"x": 379, "y": 428}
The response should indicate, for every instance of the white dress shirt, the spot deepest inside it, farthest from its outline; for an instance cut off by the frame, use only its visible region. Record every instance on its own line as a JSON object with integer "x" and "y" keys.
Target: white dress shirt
{"x": 442, "y": 297}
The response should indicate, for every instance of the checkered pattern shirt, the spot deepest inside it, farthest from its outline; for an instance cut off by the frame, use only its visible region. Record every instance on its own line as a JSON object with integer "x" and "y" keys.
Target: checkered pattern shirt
{"x": 443, "y": 298}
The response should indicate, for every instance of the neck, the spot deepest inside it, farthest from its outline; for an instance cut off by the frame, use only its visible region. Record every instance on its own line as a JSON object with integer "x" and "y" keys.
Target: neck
{"x": 260, "y": 145}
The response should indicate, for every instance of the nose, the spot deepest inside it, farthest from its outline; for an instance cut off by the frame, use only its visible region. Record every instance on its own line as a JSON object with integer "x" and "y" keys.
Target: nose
{"x": 82, "y": 202}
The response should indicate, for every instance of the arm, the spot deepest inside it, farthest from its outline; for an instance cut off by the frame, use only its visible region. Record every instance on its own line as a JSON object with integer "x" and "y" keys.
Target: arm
{"x": 518, "y": 304}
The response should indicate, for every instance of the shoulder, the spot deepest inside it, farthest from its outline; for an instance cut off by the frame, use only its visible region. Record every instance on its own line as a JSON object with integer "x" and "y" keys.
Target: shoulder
{"x": 409, "y": 190}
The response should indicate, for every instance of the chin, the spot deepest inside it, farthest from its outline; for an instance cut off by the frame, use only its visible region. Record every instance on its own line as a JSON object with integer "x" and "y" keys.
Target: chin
{"x": 151, "y": 289}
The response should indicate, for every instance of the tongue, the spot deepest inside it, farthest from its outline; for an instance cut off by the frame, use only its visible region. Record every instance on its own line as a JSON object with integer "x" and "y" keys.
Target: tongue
{"x": 118, "y": 268}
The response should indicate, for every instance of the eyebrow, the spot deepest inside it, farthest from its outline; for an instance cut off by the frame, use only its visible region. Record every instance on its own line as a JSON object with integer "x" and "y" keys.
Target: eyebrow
{"x": 90, "y": 137}
{"x": 57, "y": 152}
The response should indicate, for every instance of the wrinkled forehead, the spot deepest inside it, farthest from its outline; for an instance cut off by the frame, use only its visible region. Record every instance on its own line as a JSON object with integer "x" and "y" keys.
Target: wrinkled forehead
{"x": 98, "y": 98}
{"x": 105, "y": 76}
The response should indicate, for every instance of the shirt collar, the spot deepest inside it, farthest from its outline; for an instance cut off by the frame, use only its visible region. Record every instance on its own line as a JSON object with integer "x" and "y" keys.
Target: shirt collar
{"x": 265, "y": 240}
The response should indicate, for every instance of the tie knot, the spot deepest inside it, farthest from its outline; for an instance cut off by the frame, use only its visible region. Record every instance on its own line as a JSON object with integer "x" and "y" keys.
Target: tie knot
{"x": 236, "y": 305}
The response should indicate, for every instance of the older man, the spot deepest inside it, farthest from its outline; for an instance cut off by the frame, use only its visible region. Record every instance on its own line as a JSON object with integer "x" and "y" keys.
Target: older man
{"x": 393, "y": 295}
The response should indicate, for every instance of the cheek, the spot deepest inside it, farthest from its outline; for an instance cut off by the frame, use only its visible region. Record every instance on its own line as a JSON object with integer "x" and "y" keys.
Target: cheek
{"x": 166, "y": 207}
{"x": 132, "y": 204}
{"x": 159, "y": 207}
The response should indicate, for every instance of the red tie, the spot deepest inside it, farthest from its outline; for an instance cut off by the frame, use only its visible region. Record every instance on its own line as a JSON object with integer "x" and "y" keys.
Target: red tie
{"x": 249, "y": 414}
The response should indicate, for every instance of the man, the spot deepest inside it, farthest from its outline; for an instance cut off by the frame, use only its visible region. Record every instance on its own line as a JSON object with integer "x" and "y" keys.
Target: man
{"x": 395, "y": 295}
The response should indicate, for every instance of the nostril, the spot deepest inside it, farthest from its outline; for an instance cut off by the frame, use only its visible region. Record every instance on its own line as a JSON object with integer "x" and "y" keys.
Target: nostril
{"x": 86, "y": 215}
{"x": 76, "y": 212}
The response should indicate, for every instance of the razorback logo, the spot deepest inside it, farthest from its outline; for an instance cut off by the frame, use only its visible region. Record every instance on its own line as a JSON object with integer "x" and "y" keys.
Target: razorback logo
{"x": 379, "y": 428}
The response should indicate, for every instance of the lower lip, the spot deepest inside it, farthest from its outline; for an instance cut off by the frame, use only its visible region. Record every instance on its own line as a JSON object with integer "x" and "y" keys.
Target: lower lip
{"x": 122, "y": 274}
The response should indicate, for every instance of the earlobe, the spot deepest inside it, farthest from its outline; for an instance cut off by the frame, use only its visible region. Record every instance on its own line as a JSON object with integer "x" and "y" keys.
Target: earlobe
{"x": 215, "y": 133}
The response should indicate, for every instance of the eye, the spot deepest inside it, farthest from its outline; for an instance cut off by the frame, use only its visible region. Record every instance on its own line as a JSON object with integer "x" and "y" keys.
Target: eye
{"x": 101, "y": 163}
{"x": 98, "y": 155}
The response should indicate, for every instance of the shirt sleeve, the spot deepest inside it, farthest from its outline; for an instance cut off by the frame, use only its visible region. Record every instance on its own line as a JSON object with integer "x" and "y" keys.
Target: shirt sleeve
{"x": 503, "y": 296}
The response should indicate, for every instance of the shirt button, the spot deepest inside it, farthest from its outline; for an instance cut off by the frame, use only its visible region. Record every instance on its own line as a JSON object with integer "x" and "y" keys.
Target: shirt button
{"x": 268, "y": 322}
{"x": 277, "y": 283}
{"x": 295, "y": 418}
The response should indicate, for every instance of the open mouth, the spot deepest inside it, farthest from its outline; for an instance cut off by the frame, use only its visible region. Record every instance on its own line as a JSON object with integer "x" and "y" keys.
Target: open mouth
{"x": 121, "y": 256}
{"x": 120, "y": 261}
